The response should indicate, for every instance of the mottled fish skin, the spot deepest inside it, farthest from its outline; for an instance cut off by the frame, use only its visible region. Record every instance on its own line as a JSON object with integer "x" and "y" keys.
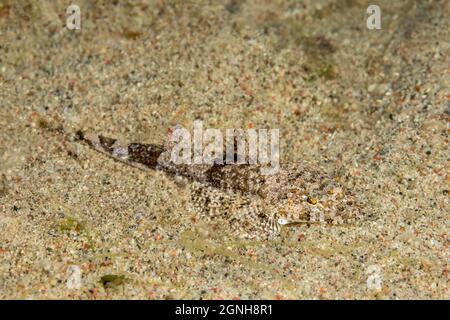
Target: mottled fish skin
{"x": 256, "y": 206}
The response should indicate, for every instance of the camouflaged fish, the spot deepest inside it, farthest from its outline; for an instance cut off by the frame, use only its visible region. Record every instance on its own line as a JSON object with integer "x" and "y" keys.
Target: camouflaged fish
{"x": 254, "y": 205}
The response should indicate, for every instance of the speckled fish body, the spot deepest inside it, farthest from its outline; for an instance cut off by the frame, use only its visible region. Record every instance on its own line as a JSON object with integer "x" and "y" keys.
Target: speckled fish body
{"x": 255, "y": 205}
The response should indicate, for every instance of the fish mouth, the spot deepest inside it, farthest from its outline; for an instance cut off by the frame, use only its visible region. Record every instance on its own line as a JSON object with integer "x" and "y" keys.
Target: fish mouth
{"x": 284, "y": 222}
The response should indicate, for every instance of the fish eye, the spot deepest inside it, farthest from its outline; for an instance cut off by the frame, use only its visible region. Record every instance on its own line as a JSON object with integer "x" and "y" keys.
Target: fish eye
{"x": 311, "y": 200}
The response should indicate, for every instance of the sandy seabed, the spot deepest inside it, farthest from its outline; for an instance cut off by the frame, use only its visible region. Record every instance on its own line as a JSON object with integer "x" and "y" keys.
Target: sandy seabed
{"x": 371, "y": 107}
